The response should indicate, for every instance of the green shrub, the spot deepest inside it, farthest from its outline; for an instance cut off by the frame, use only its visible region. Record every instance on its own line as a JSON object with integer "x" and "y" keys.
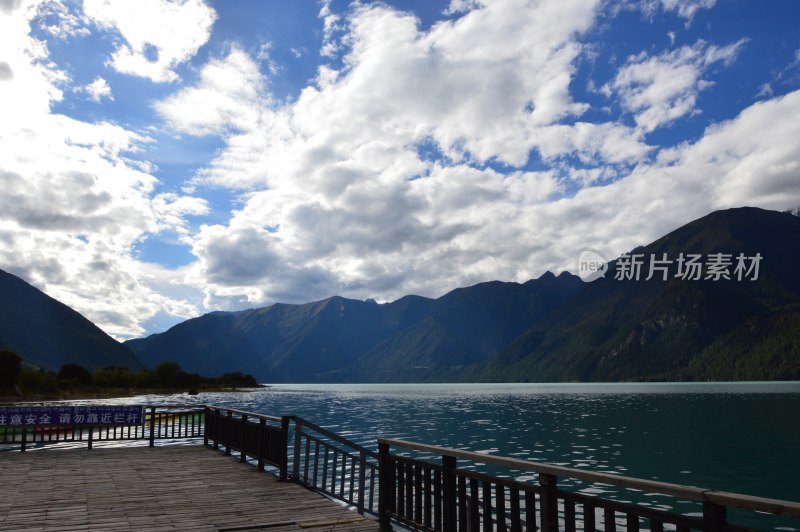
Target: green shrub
{"x": 76, "y": 372}
{"x": 112, "y": 378}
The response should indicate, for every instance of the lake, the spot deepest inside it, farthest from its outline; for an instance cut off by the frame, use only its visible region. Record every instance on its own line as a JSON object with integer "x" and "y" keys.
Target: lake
{"x": 739, "y": 437}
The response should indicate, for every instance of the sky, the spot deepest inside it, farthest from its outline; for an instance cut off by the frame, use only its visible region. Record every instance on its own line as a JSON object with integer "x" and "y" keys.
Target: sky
{"x": 162, "y": 159}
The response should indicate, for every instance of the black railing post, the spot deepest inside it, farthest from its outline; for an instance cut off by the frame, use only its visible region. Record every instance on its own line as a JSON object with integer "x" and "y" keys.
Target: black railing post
{"x": 362, "y": 479}
{"x": 216, "y": 428}
{"x": 714, "y": 517}
{"x": 262, "y": 428}
{"x": 549, "y": 502}
{"x": 386, "y": 487}
{"x": 283, "y": 459}
{"x": 24, "y": 445}
{"x": 242, "y": 453}
{"x": 450, "y": 504}
{"x": 228, "y": 431}
{"x": 91, "y": 435}
{"x": 152, "y": 427}
{"x": 298, "y": 432}
{"x": 206, "y": 412}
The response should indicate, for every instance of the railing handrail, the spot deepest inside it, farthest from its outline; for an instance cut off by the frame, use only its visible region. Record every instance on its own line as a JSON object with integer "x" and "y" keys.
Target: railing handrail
{"x": 762, "y": 504}
{"x": 332, "y": 435}
{"x": 255, "y": 415}
{"x": 72, "y": 403}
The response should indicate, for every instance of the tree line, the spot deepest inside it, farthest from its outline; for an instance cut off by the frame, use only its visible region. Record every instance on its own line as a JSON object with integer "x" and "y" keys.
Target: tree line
{"x": 167, "y": 376}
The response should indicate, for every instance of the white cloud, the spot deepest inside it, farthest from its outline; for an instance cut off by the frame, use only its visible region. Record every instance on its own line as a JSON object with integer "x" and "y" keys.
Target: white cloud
{"x": 751, "y": 169}
{"x": 74, "y": 202}
{"x": 62, "y": 21}
{"x": 687, "y": 8}
{"x": 402, "y": 86}
{"x": 684, "y": 8}
{"x": 330, "y": 30}
{"x": 227, "y": 97}
{"x": 461, "y": 6}
{"x": 156, "y": 35}
{"x": 171, "y": 211}
{"x": 765, "y": 91}
{"x": 660, "y": 89}
{"x": 97, "y": 90}
{"x": 342, "y": 201}
{"x": 337, "y": 176}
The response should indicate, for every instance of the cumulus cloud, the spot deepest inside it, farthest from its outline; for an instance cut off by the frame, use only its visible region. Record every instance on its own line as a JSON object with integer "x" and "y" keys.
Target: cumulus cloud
{"x": 660, "y": 89}
{"x": 754, "y": 169}
{"x": 228, "y": 96}
{"x": 172, "y": 210}
{"x": 74, "y": 203}
{"x": 401, "y": 87}
{"x": 97, "y": 90}
{"x": 155, "y": 35}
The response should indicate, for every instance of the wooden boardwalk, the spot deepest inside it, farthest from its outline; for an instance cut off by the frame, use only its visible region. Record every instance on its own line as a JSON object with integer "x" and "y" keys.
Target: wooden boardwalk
{"x": 163, "y": 488}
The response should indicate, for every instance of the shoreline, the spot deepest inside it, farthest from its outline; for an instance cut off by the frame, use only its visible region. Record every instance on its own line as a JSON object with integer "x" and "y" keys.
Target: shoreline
{"x": 118, "y": 393}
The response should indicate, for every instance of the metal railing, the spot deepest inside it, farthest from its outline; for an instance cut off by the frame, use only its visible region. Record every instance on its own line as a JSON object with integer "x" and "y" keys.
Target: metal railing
{"x": 335, "y": 466}
{"x": 160, "y": 423}
{"x": 311, "y": 455}
{"x": 251, "y": 435}
{"x": 441, "y": 496}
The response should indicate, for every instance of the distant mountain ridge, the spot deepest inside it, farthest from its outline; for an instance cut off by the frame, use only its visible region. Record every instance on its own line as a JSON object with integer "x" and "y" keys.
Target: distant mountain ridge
{"x": 345, "y": 340}
{"x": 49, "y": 334}
{"x": 463, "y": 328}
{"x": 554, "y": 328}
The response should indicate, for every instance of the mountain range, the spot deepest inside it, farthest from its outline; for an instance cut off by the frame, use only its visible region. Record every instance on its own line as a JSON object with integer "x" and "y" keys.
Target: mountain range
{"x": 554, "y": 328}
{"x": 346, "y": 340}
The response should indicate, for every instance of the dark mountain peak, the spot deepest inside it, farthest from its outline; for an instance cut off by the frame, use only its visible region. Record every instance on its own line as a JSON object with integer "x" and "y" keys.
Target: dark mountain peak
{"x": 552, "y": 281}
{"x": 735, "y": 225}
{"x": 226, "y": 312}
{"x": 49, "y": 334}
{"x": 675, "y": 327}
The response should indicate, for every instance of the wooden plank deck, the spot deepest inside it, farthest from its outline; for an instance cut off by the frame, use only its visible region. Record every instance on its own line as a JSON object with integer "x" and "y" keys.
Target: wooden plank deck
{"x": 188, "y": 487}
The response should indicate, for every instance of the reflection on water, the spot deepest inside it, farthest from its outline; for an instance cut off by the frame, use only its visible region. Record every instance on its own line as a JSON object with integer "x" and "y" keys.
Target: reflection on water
{"x": 741, "y": 437}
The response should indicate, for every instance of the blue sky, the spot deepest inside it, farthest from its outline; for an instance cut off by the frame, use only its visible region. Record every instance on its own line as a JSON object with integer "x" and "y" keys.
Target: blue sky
{"x": 161, "y": 159}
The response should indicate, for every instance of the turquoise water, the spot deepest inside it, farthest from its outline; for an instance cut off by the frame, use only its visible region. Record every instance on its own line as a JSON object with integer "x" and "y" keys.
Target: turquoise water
{"x": 739, "y": 437}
